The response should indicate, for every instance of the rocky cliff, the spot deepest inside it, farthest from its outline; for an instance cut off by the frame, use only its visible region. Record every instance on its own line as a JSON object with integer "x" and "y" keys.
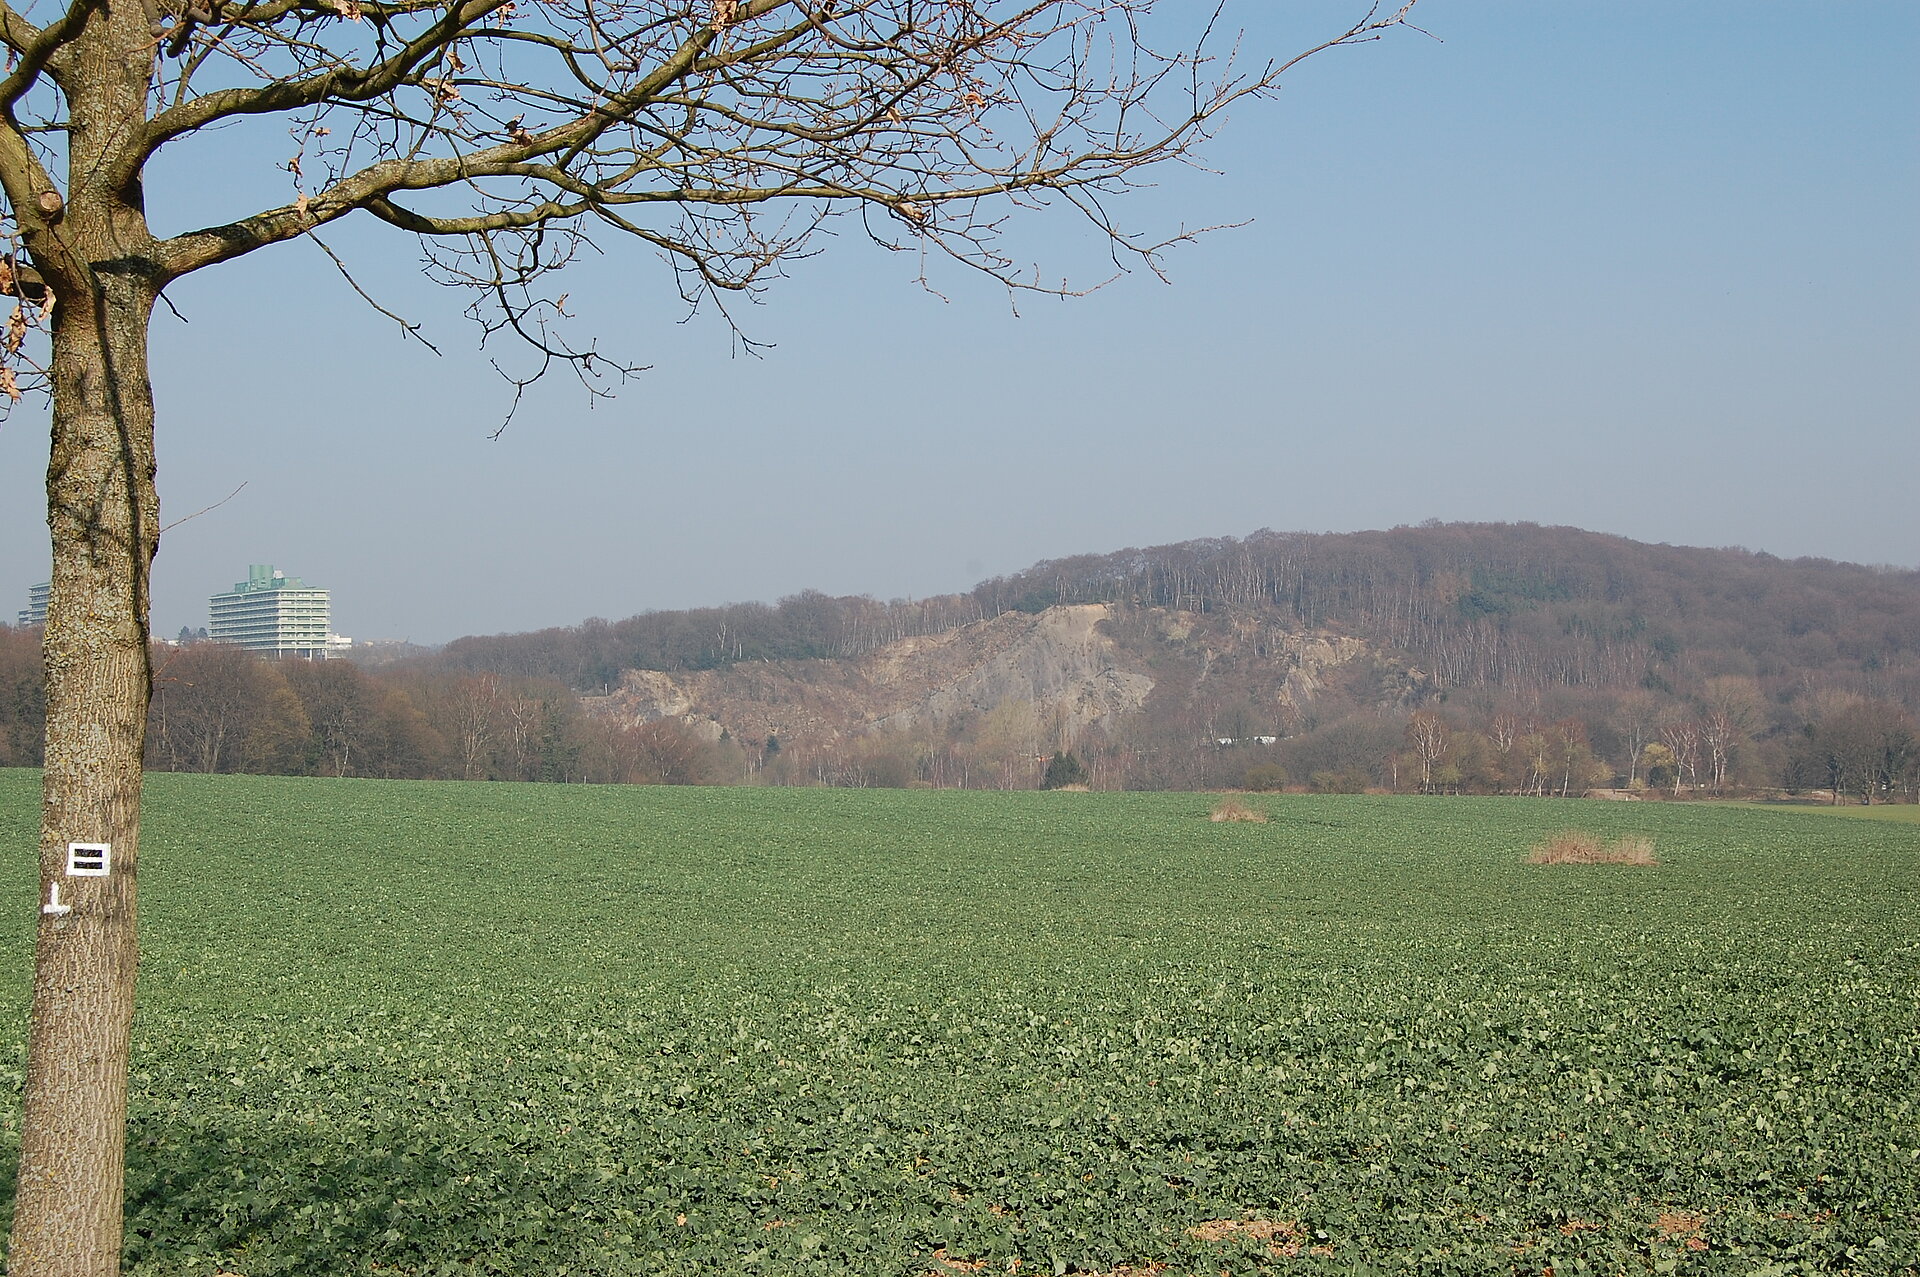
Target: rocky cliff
{"x": 1082, "y": 666}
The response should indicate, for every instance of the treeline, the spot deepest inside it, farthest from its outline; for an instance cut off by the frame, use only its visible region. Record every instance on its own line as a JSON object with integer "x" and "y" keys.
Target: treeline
{"x": 217, "y": 708}
{"x": 1729, "y": 740}
{"x": 807, "y": 626}
{"x": 1197, "y": 732}
{"x": 23, "y": 698}
{"x": 1518, "y": 607}
{"x": 1529, "y": 609}
{"x": 1502, "y": 658}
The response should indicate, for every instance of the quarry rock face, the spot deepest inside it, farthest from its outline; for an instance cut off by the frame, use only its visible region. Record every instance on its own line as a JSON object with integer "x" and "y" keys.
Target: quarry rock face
{"x": 1305, "y": 659}
{"x": 1058, "y": 658}
{"x": 1073, "y": 663}
{"x": 650, "y": 694}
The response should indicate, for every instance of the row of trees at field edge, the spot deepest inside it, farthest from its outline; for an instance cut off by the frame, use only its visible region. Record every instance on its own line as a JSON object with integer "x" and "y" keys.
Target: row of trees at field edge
{"x": 219, "y": 709}
{"x": 1851, "y": 747}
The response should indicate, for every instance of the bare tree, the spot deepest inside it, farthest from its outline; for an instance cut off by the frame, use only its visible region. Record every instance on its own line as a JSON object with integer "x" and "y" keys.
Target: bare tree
{"x": 503, "y": 133}
{"x": 1428, "y": 736}
{"x": 221, "y": 709}
{"x": 1636, "y": 715}
{"x": 340, "y": 703}
{"x": 1571, "y": 754}
{"x": 205, "y": 696}
{"x": 476, "y": 711}
{"x": 1861, "y": 746}
{"x": 1681, "y": 734}
{"x": 1731, "y": 708}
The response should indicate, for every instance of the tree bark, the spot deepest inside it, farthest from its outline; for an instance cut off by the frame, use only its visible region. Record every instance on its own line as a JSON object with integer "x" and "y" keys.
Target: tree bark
{"x": 98, "y": 259}
{"x": 104, "y": 515}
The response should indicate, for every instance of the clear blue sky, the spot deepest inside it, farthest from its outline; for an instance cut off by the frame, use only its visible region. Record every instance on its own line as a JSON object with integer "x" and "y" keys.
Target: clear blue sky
{"x": 1643, "y": 268}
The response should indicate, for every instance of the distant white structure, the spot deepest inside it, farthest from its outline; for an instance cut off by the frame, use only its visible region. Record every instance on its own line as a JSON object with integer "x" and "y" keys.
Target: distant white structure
{"x": 35, "y": 613}
{"x": 276, "y": 615}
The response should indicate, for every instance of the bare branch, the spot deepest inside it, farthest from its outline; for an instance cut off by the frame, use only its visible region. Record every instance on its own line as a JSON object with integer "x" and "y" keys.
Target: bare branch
{"x": 188, "y": 518}
{"x": 669, "y": 121}
{"x": 407, "y": 328}
{"x": 37, "y": 48}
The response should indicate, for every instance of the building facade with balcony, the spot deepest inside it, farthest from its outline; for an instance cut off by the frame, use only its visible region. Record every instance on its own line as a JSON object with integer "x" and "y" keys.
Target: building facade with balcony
{"x": 35, "y": 612}
{"x": 273, "y": 614}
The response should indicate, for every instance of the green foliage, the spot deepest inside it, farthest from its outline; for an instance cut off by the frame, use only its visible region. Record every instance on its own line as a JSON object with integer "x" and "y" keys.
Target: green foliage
{"x": 1063, "y": 769}
{"x": 1034, "y": 602}
{"x": 442, "y": 1028}
{"x": 1498, "y": 592}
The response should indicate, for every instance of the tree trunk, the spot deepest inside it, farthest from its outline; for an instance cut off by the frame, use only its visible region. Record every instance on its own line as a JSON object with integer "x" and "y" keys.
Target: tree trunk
{"x": 104, "y": 517}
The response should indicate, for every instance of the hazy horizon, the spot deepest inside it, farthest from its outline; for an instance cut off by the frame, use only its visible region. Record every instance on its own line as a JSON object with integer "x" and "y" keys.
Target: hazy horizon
{"x": 1640, "y": 270}
{"x": 564, "y": 623}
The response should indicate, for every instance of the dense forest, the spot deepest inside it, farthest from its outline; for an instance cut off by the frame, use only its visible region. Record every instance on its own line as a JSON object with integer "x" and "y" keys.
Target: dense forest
{"x": 1501, "y": 658}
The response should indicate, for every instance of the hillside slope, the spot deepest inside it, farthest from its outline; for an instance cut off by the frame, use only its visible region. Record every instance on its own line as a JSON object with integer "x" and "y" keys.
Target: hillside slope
{"x": 1544, "y": 658}
{"x": 1079, "y": 665}
{"x": 1515, "y": 607}
{"x": 1475, "y": 657}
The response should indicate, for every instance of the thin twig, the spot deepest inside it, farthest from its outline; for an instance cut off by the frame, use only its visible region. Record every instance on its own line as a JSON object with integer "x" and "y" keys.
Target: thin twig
{"x": 410, "y": 330}
{"x": 197, "y": 513}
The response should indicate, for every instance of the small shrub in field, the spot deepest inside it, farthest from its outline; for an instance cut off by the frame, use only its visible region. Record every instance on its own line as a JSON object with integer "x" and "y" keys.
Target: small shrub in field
{"x": 1264, "y": 778}
{"x": 1576, "y": 847}
{"x": 1234, "y": 810}
{"x": 1349, "y": 780}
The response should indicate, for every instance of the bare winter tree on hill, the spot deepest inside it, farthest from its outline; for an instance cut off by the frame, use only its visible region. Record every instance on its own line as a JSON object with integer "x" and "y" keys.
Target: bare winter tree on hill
{"x": 503, "y": 133}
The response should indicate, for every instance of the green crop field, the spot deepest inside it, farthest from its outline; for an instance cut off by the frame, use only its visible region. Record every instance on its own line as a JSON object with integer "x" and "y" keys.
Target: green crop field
{"x": 415, "y": 1028}
{"x": 1901, "y": 813}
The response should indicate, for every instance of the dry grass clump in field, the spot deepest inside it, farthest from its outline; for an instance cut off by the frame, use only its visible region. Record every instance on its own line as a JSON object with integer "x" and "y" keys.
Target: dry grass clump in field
{"x": 1285, "y": 1239}
{"x": 1577, "y": 847}
{"x": 1235, "y": 810}
{"x": 948, "y": 1265}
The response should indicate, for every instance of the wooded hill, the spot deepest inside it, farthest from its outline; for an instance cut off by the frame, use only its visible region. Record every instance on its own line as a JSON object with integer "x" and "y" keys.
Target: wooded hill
{"x": 1538, "y": 640}
{"x": 1517, "y": 606}
{"x": 1459, "y": 657}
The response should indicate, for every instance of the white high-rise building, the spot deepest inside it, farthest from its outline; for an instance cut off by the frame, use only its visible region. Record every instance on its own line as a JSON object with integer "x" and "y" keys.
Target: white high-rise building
{"x": 35, "y": 612}
{"x": 273, "y": 614}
